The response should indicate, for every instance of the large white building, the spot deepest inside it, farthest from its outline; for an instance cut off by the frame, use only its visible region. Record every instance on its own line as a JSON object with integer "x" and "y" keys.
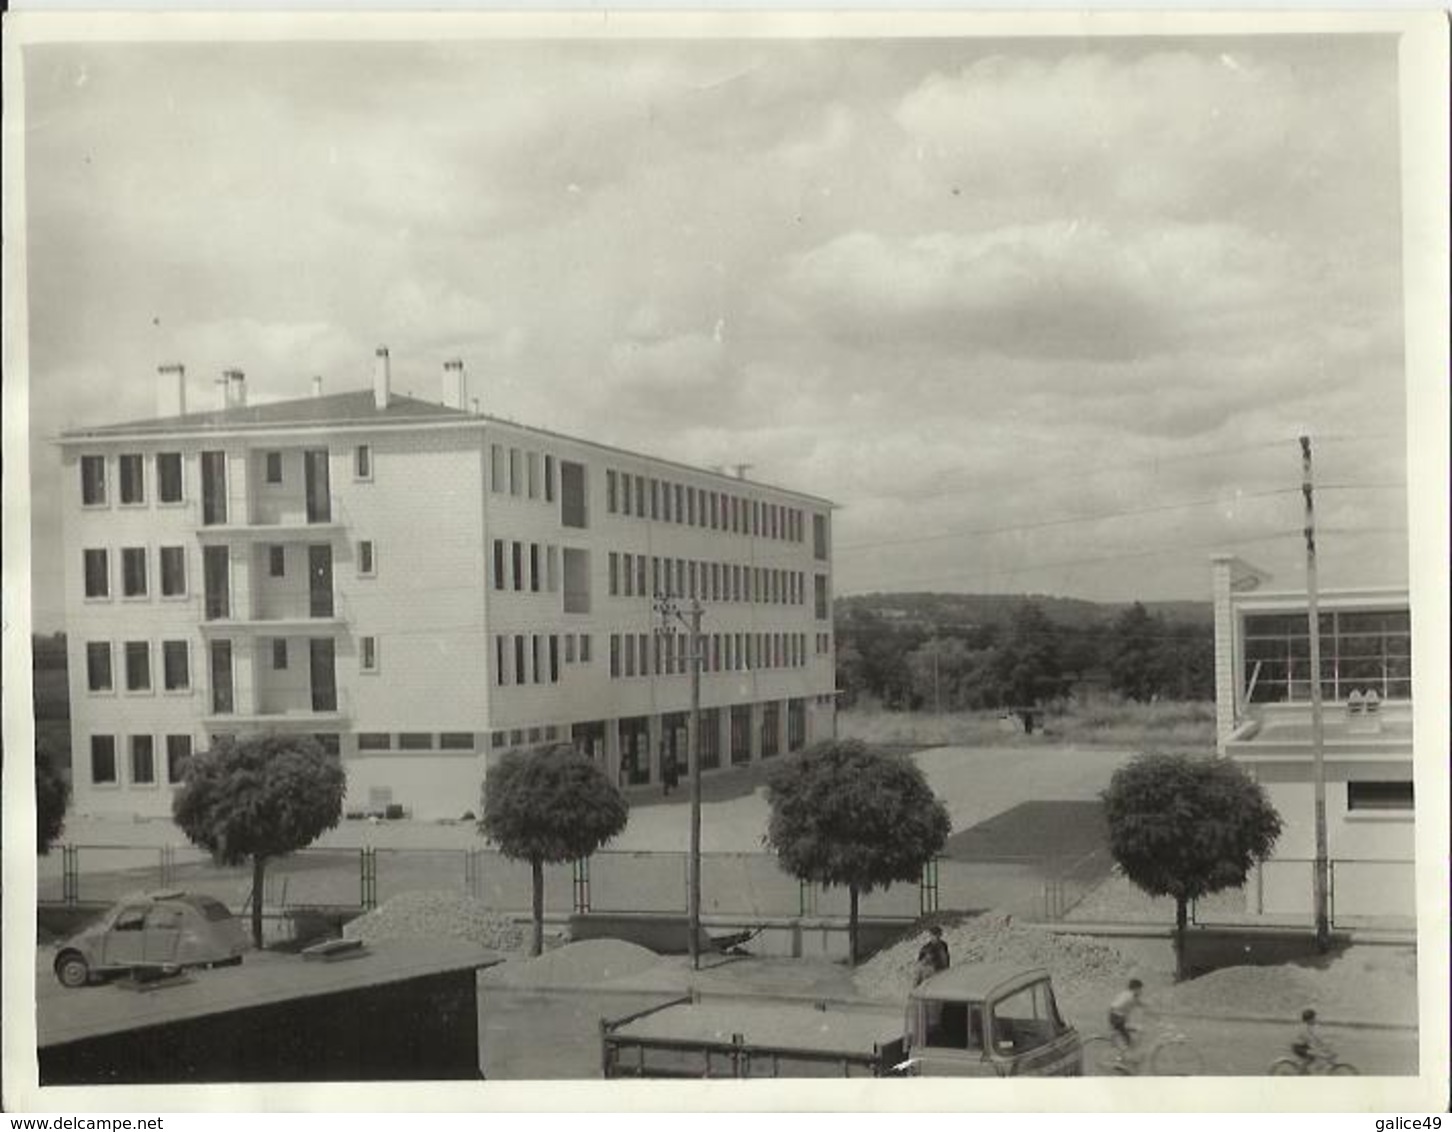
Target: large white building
{"x": 422, "y": 587}
{"x": 1263, "y": 709}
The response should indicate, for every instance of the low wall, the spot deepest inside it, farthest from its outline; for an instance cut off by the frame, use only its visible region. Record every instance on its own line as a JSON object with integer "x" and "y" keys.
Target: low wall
{"x": 1210, "y": 948}
{"x": 784, "y": 937}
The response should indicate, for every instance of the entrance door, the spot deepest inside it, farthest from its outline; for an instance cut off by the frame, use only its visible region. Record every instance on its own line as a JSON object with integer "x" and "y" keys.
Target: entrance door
{"x": 216, "y": 581}
{"x": 320, "y": 580}
{"x": 214, "y": 488}
{"x": 323, "y": 674}
{"x": 316, "y": 485}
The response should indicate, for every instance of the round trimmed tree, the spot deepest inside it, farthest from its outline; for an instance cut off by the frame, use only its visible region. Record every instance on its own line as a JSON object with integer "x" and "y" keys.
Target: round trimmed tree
{"x": 844, "y": 813}
{"x": 1186, "y": 827}
{"x": 257, "y": 798}
{"x": 547, "y": 806}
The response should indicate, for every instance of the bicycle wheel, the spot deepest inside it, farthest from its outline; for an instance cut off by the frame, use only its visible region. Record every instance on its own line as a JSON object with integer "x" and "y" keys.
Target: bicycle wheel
{"x": 1286, "y": 1067}
{"x": 1341, "y": 1069}
{"x": 1176, "y": 1057}
{"x": 1101, "y": 1057}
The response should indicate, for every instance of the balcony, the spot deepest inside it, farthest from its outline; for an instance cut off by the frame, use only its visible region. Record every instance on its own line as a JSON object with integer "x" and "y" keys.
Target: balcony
{"x": 277, "y": 626}
{"x": 285, "y": 713}
{"x": 284, "y": 527}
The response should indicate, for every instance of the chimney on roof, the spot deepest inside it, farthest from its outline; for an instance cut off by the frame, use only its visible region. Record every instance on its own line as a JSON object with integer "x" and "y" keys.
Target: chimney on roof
{"x": 317, "y": 386}
{"x": 224, "y": 390}
{"x": 455, "y": 386}
{"x": 382, "y": 378}
{"x": 171, "y": 390}
{"x": 474, "y": 405}
{"x": 236, "y": 389}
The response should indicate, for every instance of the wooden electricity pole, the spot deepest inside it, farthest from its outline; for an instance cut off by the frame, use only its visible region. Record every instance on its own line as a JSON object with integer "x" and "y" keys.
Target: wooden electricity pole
{"x": 1320, "y": 881}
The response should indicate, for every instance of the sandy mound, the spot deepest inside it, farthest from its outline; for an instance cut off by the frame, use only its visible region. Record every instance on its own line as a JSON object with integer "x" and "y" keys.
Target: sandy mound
{"x": 1074, "y": 961}
{"x": 587, "y": 963}
{"x": 435, "y": 915}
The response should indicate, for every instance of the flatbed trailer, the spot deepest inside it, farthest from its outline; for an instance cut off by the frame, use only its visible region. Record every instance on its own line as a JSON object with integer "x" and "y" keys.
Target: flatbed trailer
{"x": 686, "y": 1038}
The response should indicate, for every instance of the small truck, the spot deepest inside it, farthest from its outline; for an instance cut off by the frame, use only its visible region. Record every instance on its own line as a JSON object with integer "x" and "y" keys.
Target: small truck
{"x": 986, "y": 1020}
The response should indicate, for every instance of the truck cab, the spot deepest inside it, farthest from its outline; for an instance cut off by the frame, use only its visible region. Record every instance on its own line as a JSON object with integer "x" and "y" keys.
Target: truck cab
{"x": 989, "y": 1020}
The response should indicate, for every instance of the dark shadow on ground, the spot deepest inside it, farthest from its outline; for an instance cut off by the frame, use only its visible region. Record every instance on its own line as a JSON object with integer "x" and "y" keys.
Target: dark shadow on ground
{"x": 1063, "y": 830}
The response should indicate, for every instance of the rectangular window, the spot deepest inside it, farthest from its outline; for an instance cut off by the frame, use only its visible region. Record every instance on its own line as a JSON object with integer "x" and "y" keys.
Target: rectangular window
{"x": 103, "y": 760}
{"x": 640, "y": 496}
{"x": 214, "y": 488}
{"x": 517, "y": 555}
{"x": 173, "y": 571}
{"x": 169, "y": 477}
{"x": 516, "y": 472}
{"x": 614, "y": 573}
{"x": 499, "y": 582}
{"x": 98, "y": 574}
{"x": 416, "y": 741}
{"x": 368, "y": 654}
{"x": 690, "y": 506}
{"x": 132, "y": 477}
{"x": 496, "y": 468}
{"x": 138, "y": 666}
{"x": 820, "y": 582}
{"x": 375, "y": 741}
{"x": 363, "y": 462}
{"x": 584, "y": 648}
{"x": 819, "y": 537}
{"x": 655, "y": 499}
{"x": 178, "y": 754}
{"x": 574, "y": 509}
{"x": 614, "y": 655}
{"x": 133, "y": 571}
{"x": 366, "y": 565}
{"x": 536, "y": 668}
{"x": 640, "y": 575}
{"x": 279, "y": 654}
{"x": 176, "y": 675}
{"x": 98, "y": 666}
{"x": 521, "y": 671}
{"x": 569, "y": 648}
{"x": 549, "y": 479}
{"x": 1363, "y": 796}
{"x": 274, "y": 467}
{"x": 665, "y": 502}
{"x": 610, "y": 491}
{"x": 501, "y": 661}
{"x": 143, "y": 760}
{"x": 625, "y": 497}
{"x": 531, "y": 463}
{"x": 276, "y": 561}
{"x": 223, "y": 701}
{"x": 534, "y": 570}
{"x": 552, "y": 569}
{"x": 93, "y": 483}
{"x": 680, "y": 505}
{"x": 554, "y": 658}
{"x": 630, "y": 654}
{"x": 456, "y": 741}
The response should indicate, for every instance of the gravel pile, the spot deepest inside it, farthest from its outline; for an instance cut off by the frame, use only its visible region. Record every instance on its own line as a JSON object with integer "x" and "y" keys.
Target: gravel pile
{"x": 1074, "y": 961}
{"x": 433, "y": 915}
{"x": 588, "y": 963}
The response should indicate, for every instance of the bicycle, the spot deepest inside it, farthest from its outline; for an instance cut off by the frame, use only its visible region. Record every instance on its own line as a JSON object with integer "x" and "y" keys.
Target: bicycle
{"x": 1322, "y": 1065}
{"x": 1170, "y": 1053}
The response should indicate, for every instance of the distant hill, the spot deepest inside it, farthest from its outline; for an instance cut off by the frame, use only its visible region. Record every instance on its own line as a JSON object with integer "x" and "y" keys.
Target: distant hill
{"x": 989, "y": 609}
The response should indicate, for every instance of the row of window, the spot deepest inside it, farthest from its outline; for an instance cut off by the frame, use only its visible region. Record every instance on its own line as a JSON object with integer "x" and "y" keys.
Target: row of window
{"x": 668, "y": 654}
{"x": 132, "y": 479}
{"x": 639, "y": 575}
{"x": 645, "y": 497}
{"x": 136, "y": 663}
{"x": 521, "y": 472}
{"x": 824, "y": 643}
{"x": 135, "y": 571}
{"x": 535, "y": 658}
{"x": 415, "y": 741}
{"x": 528, "y": 566}
{"x": 1361, "y": 651}
{"x": 141, "y": 759}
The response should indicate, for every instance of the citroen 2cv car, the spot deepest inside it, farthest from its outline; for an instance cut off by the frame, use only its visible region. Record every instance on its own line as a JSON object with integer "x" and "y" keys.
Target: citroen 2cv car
{"x": 990, "y": 1020}
{"x": 149, "y": 932}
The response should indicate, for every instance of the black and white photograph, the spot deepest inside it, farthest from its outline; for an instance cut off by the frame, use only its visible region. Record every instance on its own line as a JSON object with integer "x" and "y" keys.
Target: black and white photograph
{"x": 744, "y": 551}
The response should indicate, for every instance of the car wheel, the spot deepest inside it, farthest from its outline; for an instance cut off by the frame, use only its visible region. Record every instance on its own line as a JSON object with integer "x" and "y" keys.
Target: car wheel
{"x": 72, "y": 970}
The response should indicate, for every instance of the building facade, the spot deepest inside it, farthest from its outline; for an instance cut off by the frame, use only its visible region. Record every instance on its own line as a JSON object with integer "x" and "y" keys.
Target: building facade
{"x": 422, "y": 588}
{"x": 1263, "y": 710}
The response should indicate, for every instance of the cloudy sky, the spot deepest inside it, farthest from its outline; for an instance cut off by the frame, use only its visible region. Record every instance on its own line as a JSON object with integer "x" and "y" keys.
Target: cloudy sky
{"x": 1042, "y": 316}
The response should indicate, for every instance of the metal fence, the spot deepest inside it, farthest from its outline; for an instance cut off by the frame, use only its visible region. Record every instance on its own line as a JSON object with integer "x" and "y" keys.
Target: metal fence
{"x": 747, "y": 885}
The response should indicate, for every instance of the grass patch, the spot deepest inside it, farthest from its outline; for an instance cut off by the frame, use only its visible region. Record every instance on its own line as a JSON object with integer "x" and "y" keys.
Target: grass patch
{"x": 1100, "y": 722}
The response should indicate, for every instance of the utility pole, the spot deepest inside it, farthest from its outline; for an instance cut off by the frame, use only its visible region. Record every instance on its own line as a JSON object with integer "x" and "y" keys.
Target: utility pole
{"x": 670, "y": 612}
{"x": 1320, "y": 882}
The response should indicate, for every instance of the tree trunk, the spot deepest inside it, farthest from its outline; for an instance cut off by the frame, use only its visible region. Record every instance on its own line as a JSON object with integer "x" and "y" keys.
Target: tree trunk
{"x": 1182, "y": 920}
{"x": 852, "y": 926}
{"x": 536, "y": 868}
{"x": 259, "y": 866}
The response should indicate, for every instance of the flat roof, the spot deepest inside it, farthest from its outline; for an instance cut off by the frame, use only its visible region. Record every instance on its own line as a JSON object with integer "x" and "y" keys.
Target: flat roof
{"x": 780, "y": 1025}
{"x": 65, "y": 1015}
{"x": 356, "y": 410}
{"x": 1336, "y": 728}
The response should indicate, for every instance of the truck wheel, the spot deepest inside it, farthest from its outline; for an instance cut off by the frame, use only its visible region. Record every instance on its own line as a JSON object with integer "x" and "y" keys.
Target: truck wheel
{"x": 72, "y": 970}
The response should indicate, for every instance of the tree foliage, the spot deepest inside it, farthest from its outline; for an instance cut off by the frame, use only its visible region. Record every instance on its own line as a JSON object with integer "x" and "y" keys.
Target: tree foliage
{"x": 548, "y": 806}
{"x": 257, "y": 798}
{"x": 843, "y": 813}
{"x": 1187, "y": 827}
{"x": 52, "y": 796}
